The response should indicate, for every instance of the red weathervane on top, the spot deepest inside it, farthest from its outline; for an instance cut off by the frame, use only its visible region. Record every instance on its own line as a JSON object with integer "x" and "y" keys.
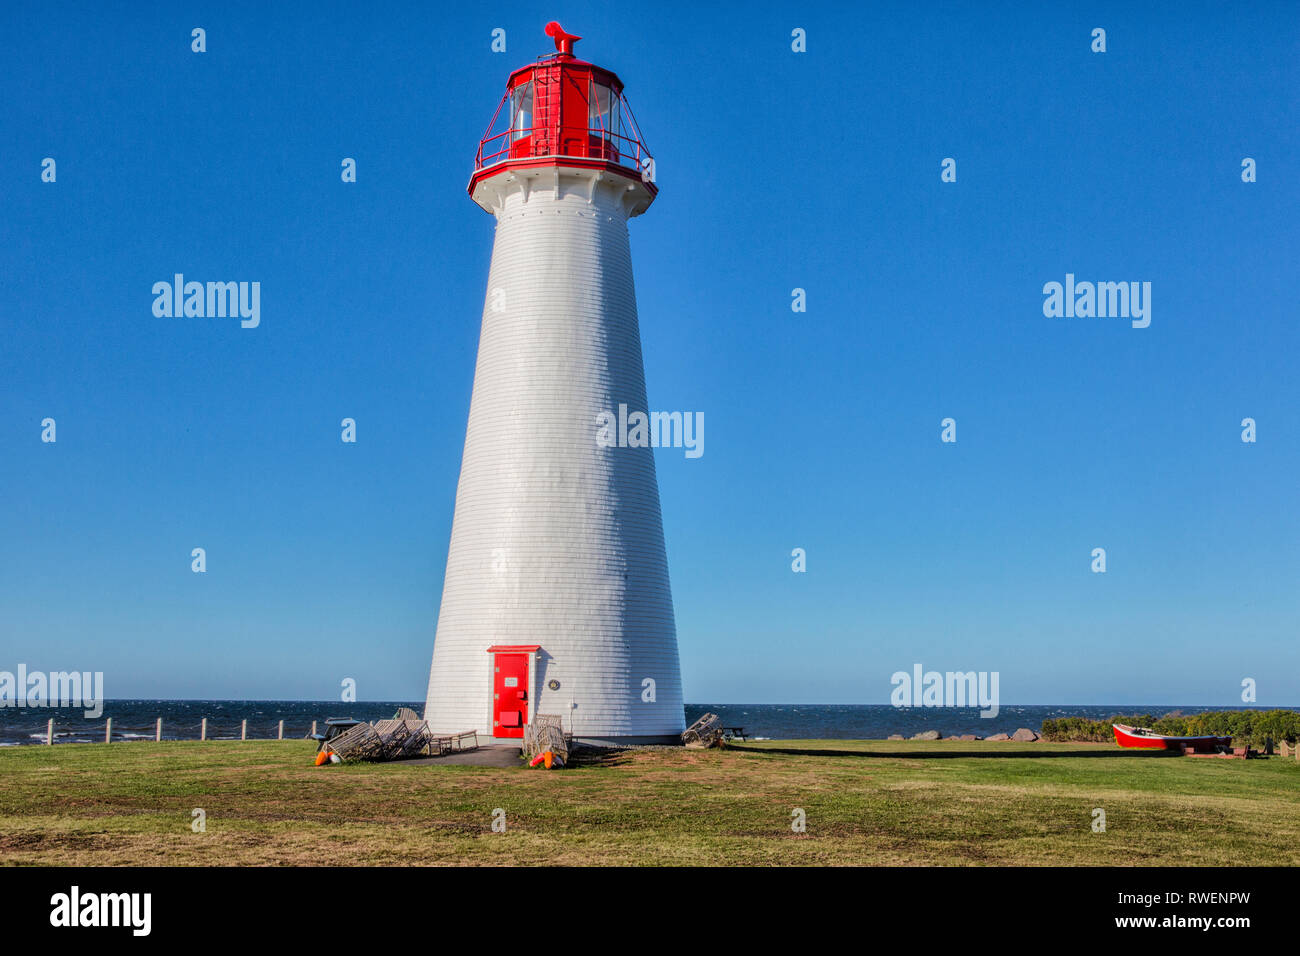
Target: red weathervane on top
{"x": 563, "y": 41}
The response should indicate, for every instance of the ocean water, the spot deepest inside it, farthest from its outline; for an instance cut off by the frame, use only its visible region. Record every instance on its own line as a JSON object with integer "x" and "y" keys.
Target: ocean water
{"x": 134, "y": 719}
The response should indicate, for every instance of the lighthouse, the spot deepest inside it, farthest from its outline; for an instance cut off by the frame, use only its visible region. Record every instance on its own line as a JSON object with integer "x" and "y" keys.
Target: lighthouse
{"x": 556, "y": 598}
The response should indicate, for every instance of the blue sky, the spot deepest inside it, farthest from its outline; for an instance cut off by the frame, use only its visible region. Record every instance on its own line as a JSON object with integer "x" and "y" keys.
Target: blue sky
{"x": 777, "y": 170}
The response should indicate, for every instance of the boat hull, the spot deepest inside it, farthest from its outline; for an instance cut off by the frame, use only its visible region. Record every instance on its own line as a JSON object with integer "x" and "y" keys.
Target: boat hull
{"x": 1139, "y": 738}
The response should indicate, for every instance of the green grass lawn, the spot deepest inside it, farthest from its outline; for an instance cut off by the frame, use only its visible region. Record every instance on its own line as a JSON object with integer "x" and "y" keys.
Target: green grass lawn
{"x": 866, "y": 802}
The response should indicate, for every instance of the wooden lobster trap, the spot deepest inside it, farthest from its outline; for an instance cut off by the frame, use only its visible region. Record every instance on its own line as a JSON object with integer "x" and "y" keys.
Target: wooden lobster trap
{"x": 543, "y": 735}
{"x": 705, "y": 732}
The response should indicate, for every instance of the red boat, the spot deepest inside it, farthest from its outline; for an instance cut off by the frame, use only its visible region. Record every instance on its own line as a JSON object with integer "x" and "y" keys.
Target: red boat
{"x": 1144, "y": 739}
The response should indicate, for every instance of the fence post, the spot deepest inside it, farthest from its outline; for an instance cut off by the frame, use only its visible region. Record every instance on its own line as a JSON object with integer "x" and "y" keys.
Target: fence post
{"x": 281, "y": 737}
{"x": 49, "y": 732}
{"x": 157, "y": 734}
{"x": 313, "y": 728}
{"x": 108, "y": 731}
{"x": 243, "y": 730}
{"x": 203, "y": 729}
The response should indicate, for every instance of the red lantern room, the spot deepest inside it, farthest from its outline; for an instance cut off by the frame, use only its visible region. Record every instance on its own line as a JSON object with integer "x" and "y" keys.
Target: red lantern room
{"x": 562, "y": 111}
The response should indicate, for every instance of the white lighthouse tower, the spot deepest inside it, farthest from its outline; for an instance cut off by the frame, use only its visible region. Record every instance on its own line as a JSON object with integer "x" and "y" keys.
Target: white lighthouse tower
{"x": 556, "y": 598}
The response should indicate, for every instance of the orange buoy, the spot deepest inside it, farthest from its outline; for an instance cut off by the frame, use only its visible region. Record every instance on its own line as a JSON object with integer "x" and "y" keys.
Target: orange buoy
{"x": 536, "y": 760}
{"x": 550, "y": 759}
{"x": 322, "y": 758}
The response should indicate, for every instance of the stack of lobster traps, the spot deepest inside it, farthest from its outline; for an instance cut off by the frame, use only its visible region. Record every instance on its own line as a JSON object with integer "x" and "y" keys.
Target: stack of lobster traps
{"x": 403, "y": 736}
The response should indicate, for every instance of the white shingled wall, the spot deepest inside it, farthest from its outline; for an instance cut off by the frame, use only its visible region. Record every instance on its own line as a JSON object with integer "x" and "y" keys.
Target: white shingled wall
{"x": 557, "y": 541}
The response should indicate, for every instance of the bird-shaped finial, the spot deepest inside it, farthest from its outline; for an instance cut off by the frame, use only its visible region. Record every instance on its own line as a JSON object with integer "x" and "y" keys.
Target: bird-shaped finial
{"x": 563, "y": 41}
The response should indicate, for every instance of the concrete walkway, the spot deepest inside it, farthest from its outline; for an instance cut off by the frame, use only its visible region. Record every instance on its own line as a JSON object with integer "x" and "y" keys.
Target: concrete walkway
{"x": 493, "y": 755}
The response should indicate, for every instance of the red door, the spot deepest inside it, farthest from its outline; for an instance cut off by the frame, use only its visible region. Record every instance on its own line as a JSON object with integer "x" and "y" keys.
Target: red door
{"x": 509, "y": 695}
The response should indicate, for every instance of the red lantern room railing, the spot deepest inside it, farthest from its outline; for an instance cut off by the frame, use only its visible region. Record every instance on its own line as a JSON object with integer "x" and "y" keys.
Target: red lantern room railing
{"x": 562, "y": 111}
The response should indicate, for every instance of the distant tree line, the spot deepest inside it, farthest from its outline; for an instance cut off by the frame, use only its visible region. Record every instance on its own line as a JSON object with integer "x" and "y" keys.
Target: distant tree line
{"x": 1246, "y": 727}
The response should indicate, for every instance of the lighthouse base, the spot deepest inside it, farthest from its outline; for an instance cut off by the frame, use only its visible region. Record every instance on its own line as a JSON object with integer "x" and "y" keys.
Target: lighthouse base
{"x": 650, "y": 741}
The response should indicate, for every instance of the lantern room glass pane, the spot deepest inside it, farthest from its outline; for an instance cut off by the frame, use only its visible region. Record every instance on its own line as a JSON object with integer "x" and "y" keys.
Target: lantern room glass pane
{"x": 521, "y": 111}
{"x": 603, "y": 112}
